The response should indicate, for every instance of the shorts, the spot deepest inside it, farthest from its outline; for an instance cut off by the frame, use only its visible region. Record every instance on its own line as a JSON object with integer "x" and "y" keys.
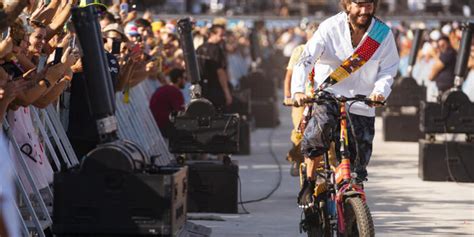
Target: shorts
{"x": 324, "y": 127}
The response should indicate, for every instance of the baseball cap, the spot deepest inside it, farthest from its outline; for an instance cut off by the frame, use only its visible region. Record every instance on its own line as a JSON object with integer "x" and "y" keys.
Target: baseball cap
{"x": 97, "y": 3}
{"x": 156, "y": 26}
{"x": 117, "y": 28}
{"x": 131, "y": 30}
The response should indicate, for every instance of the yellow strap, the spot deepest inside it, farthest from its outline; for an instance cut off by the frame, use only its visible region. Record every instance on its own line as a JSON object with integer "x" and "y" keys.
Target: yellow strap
{"x": 126, "y": 97}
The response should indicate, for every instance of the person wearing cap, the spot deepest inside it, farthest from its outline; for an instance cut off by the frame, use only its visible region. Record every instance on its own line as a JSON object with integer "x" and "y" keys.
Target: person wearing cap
{"x": 82, "y": 130}
{"x": 97, "y": 3}
{"x": 114, "y": 35}
{"x": 358, "y": 50}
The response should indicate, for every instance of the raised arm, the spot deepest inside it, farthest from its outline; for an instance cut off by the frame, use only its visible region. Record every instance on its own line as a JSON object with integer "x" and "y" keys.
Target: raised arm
{"x": 56, "y": 90}
{"x": 10, "y": 12}
{"x": 45, "y": 14}
{"x": 59, "y": 20}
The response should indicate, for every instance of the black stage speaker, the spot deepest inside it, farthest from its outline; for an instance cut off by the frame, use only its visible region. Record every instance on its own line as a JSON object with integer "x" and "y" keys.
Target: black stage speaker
{"x": 261, "y": 84}
{"x": 213, "y": 187}
{"x": 118, "y": 203}
{"x": 401, "y": 127}
{"x": 406, "y": 93}
{"x": 245, "y": 137}
{"x": 448, "y": 118}
{"x": 205, "y": 134}
{"x": 265, "y": 113}
{"x": 241, "y": 102}
{"x": 435, "y": 157}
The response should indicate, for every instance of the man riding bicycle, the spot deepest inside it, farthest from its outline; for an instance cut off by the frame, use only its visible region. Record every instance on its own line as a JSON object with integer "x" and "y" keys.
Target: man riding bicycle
{"x": 353, "y": 53}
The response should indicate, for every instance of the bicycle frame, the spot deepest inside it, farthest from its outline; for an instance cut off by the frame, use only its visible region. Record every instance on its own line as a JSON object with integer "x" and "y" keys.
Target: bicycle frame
{"x": 341, "y": 175}
{"x": 339, "y": 181}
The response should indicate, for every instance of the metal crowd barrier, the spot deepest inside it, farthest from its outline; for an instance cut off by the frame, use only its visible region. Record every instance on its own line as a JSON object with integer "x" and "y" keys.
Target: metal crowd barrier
{"x": 136, "y": 123}
{"x": 35, "y": 206}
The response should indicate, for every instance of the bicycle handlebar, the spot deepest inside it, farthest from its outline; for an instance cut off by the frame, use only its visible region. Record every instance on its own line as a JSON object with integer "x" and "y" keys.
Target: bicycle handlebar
{"x": 320, "y": 100}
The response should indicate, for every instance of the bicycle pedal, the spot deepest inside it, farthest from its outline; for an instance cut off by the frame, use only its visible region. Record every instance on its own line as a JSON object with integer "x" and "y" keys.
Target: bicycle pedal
{"x": 304, "y": 225}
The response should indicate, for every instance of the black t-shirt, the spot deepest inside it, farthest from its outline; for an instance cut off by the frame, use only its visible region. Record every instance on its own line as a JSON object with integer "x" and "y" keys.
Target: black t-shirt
{"x": 82, "y": 125}
{"x": 445, "y": 78}
{"x": 211, "y": 58}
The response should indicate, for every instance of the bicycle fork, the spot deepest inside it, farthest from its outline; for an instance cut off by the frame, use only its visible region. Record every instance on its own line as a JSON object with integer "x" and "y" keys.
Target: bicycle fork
{"x": 344, "y": 179}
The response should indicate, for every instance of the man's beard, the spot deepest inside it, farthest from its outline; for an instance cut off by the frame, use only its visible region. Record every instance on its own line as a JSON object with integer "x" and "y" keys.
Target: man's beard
{"x": 361, "y": 25}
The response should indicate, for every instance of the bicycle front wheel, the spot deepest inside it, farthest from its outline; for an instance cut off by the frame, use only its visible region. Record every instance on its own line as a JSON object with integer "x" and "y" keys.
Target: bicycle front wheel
{"x": 357, "y": 218}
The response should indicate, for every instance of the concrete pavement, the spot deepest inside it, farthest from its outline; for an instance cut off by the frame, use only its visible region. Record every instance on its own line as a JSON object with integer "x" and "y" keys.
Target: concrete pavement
{"x": 401, "y": 204}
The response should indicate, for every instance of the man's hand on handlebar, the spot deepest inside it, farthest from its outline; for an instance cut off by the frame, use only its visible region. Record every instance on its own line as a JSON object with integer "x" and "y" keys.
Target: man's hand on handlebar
{"x": 377, "y": 97}
{"x": 374, "y": 100}
{"x": 299, "y": 98}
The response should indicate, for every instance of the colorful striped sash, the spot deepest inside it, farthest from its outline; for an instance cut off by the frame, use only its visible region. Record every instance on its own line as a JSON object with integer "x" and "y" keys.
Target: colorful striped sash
{"x": 376, "y": 36}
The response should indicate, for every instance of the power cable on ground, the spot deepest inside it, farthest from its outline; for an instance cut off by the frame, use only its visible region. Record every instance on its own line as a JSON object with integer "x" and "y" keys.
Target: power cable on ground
{"x": 280, "y": 176}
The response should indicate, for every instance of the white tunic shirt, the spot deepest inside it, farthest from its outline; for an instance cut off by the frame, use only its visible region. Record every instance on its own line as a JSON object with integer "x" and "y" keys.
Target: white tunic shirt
{"x": 329, "y": 47}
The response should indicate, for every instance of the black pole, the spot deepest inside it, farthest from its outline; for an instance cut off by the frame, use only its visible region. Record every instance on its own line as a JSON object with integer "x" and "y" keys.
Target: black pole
{"x": 185, "y": 34}
{"x": 96, "y": 71}
{"x": 254, "y": 45}
{"x": 463, "y": 54}
{"x": 414, "y": 50}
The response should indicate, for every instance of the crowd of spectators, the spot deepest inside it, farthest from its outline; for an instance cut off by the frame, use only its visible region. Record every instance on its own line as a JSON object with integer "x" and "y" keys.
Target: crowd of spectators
{"x": 436, "y": 59}
{"x": 41, "y": 65}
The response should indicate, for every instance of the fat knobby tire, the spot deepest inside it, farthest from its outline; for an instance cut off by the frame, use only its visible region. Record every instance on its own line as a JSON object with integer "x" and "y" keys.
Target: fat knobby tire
{"x": 358, "y": 218}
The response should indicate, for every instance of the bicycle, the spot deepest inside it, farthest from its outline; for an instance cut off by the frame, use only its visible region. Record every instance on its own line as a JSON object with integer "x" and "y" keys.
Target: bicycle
{"x": 338, "y": 206}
